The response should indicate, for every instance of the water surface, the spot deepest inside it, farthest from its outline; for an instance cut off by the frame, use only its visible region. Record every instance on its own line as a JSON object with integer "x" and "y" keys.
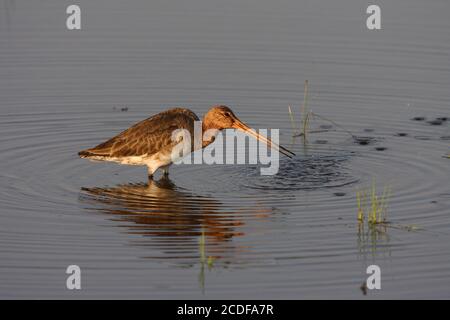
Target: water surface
{"x": 224, "y": 231}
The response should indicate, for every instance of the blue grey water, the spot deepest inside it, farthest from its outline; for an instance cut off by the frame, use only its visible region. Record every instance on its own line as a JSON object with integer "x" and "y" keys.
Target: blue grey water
{"x": 224, "y": 231}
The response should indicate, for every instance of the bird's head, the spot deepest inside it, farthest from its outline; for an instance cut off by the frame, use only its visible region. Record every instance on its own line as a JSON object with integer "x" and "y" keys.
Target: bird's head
{"x": 222, "y": 117}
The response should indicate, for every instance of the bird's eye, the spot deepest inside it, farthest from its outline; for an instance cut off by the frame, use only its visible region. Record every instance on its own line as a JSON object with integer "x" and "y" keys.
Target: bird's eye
{"x": 227, "y": 114}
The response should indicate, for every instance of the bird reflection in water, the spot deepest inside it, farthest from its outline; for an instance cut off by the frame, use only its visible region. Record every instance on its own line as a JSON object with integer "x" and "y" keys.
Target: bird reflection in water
{"x": 174, "y": 219}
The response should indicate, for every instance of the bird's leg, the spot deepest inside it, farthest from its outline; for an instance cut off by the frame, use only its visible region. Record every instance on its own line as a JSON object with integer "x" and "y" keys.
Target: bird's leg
{"x": 165, "y": 170}
{"x": 150, "y": 173}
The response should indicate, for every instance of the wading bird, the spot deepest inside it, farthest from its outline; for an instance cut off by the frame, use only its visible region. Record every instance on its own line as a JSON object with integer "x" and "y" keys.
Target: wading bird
{"x": 150, "y": 142}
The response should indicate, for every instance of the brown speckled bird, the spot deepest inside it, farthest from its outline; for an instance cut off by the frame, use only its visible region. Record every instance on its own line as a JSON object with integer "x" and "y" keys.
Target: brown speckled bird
{"x": 149, "y": 142}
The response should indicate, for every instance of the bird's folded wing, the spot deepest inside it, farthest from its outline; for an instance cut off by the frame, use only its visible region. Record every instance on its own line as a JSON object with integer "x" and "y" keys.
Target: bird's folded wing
{"x": 144, "y": 138}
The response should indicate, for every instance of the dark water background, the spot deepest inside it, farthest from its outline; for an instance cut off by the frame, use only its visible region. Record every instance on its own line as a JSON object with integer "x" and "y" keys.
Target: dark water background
{"x": 294, "y": 235}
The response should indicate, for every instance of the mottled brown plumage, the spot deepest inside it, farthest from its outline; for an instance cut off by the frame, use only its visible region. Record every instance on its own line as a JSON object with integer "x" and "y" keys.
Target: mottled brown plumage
{"x": 149, "y": 142}
{"x": 148, "y": 136}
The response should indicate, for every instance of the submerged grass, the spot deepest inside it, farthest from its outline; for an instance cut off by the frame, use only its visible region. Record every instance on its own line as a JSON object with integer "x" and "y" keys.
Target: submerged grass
{"x": 209, "y": 261}
{"x": 204, "y": 260}
{"x": 201, "y": 249}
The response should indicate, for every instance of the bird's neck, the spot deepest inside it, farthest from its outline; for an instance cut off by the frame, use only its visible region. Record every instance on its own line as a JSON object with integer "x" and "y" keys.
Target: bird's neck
{"x": 205, "y": 126}
{"x": 208, "y": 133}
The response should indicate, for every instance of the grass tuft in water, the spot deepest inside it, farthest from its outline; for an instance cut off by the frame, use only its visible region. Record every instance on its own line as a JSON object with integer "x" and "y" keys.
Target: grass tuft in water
{"x": 204, "y": 260}
{"x": 372, "y": 207}
{"x": 305, "y": 113}
{"x": 201, "y": 248}
{"x": 291, "y": 116}
{"x": 210, "y": 262}
{"x": 305, "y": 116}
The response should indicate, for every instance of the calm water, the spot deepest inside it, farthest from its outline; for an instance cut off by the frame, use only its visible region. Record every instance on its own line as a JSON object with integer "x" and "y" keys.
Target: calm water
{"x": 293, "y": 235}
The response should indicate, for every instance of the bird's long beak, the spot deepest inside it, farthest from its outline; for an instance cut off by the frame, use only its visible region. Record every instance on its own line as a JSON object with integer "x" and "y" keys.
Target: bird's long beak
{"x": 238, "y": 124}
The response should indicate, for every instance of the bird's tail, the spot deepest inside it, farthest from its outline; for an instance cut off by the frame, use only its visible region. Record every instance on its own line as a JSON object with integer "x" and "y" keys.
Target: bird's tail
{"x": 89, "y": 153}
{"x": 85, "y": 154}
